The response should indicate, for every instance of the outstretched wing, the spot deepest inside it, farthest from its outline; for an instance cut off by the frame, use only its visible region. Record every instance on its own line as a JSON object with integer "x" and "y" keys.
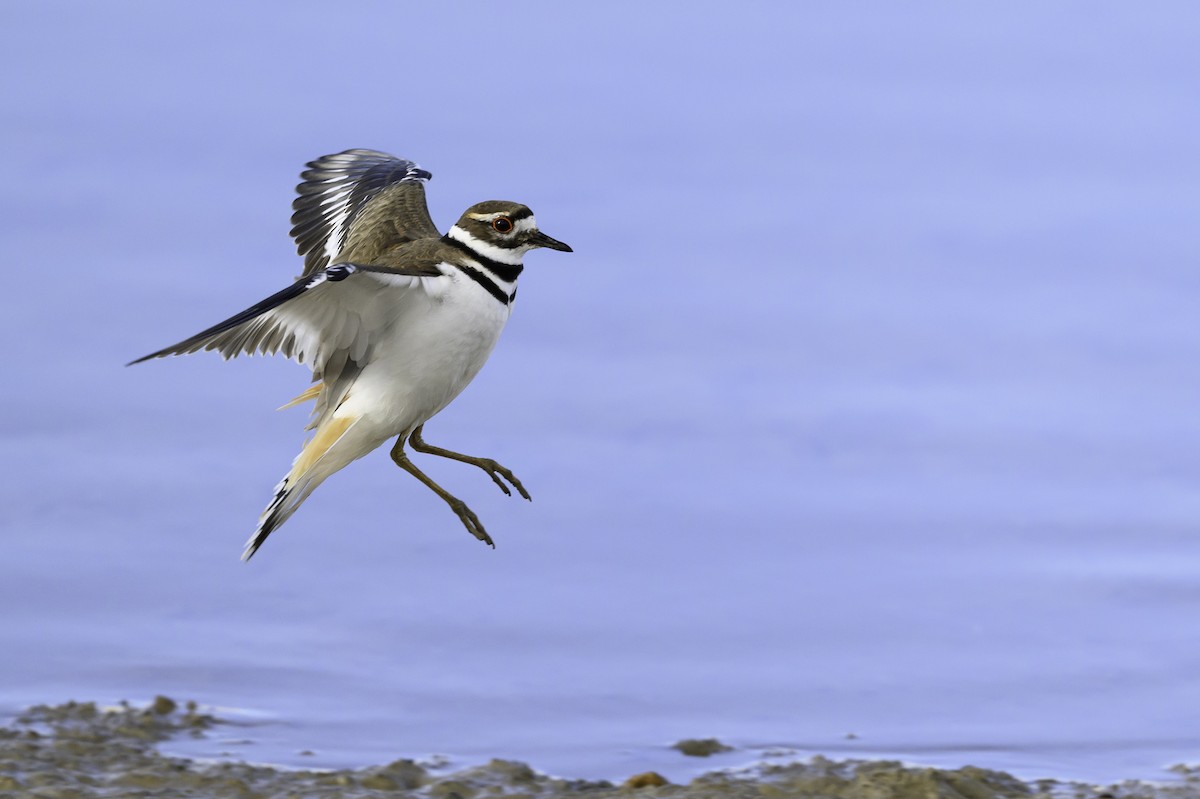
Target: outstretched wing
{"x": 328, "y": 321}
{"x": 356, "y": 205}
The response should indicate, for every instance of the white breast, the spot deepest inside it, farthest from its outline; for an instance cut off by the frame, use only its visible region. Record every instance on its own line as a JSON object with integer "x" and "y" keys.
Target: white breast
{"x": 440, "y": 340}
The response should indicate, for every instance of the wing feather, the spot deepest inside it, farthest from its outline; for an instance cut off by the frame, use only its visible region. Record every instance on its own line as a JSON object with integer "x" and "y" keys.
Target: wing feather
{"x": 327, "y": 321}
{"x": 355, "y": 205}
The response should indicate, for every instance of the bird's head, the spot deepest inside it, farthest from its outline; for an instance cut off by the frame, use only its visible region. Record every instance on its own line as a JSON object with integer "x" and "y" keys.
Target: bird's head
{"x": 507, "y": 225}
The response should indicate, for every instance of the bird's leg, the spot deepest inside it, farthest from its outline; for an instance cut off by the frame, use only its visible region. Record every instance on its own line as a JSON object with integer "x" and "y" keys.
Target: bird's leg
{"x": 465, "y": 514}
{"x": 494, "y": 470}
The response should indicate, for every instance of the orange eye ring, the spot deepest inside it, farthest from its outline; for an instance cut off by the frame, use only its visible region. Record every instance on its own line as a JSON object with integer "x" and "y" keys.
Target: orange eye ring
{"x": 502, "y": 224}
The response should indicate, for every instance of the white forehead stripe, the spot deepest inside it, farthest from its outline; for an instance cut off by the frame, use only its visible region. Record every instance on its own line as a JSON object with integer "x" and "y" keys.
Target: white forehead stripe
{"x": 523, "y": 224}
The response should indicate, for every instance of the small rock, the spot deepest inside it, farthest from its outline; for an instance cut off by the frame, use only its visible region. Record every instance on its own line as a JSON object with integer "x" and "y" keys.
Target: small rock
{"x": 514, "y": 770}
{"x": 406, "y": 773}
{"x": 451, "y": 789}
{"x": 163, "y": 706}
{"x": 701, "y": 747}
{"x": 647, "y": 779}
{"x": 379, "y": 782}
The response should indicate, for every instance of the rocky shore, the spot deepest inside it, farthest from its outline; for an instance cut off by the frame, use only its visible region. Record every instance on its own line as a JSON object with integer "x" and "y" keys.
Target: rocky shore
{"x": 79, "y": 750}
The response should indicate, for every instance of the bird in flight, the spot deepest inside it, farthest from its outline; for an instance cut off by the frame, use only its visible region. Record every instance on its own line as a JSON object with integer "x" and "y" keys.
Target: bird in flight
{"x": 393, "y": 318}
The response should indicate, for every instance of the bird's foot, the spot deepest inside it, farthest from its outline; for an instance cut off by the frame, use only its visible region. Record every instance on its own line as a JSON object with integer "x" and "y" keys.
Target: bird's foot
{"x": 470, "y": 521}
{"x": 496, "y": 471}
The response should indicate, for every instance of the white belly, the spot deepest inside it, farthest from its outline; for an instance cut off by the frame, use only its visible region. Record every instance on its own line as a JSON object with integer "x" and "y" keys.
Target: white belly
{"x": 440, "y": 340}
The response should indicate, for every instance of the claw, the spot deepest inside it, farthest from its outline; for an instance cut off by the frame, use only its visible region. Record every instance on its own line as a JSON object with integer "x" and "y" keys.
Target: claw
{"x": 471, "y": 521}
{"x": 500, "y": 483}
{"x": 496, "y": 471}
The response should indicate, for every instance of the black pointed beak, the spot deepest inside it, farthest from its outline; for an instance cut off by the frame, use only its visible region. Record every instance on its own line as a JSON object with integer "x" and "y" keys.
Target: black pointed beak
{"x": 540, "y": 239}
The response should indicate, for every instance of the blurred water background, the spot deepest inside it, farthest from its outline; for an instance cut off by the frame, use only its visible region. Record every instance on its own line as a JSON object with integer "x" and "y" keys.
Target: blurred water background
{"x": 866, "y": 406}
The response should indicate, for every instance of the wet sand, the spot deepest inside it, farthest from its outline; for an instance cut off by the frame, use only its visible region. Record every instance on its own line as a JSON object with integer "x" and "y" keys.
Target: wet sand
{"x": 81, "y": 750}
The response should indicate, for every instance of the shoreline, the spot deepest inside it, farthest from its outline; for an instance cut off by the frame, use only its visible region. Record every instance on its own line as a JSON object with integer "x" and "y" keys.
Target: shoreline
{"x": 78, "y": 749}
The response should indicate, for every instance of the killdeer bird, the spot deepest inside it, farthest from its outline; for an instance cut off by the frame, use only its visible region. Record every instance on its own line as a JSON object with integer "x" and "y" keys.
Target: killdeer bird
{"x": 393, "y": 318}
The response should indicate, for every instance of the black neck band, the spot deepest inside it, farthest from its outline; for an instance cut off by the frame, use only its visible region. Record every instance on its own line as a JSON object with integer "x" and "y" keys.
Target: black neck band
{"x": 506, "y": 272}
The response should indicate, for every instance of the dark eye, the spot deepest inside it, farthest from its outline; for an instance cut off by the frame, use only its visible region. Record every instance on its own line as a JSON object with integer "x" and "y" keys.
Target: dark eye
{"x": 502, "y": 224}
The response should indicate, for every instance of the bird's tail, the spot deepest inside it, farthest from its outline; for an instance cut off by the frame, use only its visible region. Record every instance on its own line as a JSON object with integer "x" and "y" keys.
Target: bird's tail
{"x": 320, "y": 458}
